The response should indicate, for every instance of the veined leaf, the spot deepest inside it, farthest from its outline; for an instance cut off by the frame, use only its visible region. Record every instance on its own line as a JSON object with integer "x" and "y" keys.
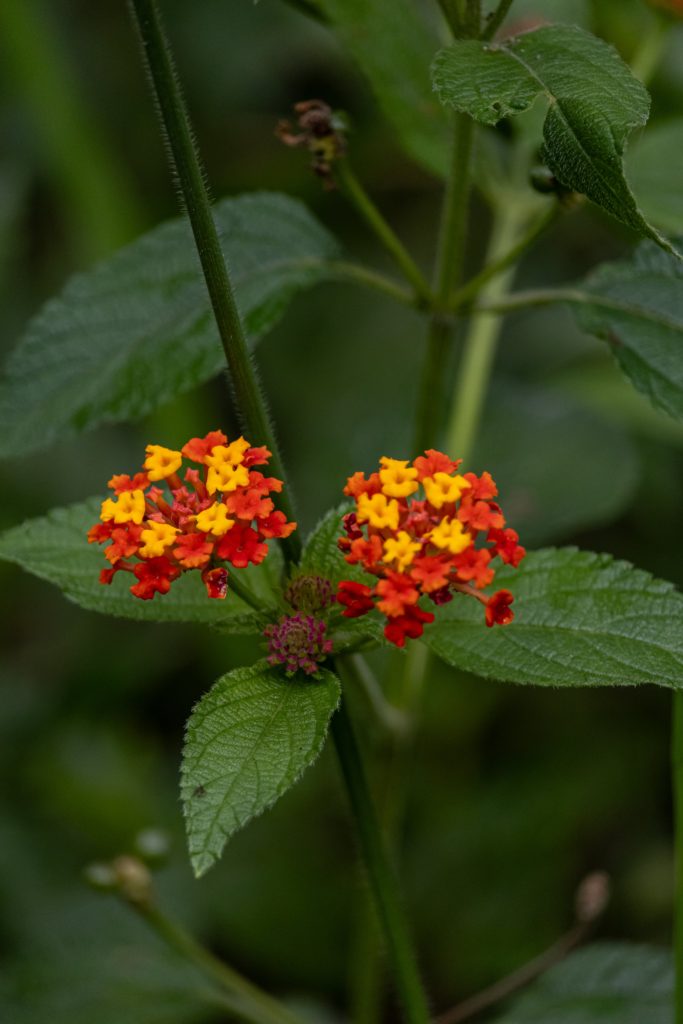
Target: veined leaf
{"x": 581, "y": 619}
{"x": 635, "y": 305}
{"x": 137, "y": 330}
{"x": 606, "y": 983}
{"x": 594, "y": 102}
{"x": 393, "y": 45}
{"x": 55, "y": 548}
{"x": 248, "y": 740}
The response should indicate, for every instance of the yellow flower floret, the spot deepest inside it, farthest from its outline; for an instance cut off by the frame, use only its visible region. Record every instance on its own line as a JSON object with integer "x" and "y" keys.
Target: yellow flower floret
{"x": 129, "y": 507}
{"x": 226, "y": 477}
{"x": 397, "y": 477}
{"x": 450, "y": 535}
{"x": 227, "y": 454}
{"x": 214, "y": 520}
{"x": 378, "y": 511}
{"x": 161, "y": 462}
{"x": 442, "y": 488}
{"x": 156, "y": 538}
{"x": 401, "y": 549}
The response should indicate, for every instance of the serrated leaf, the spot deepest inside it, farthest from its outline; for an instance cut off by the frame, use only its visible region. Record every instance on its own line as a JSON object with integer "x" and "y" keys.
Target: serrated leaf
{"x": 653, "y": 168}
{"x": 635, "y": 305}
{"x": 581, "y": 619}
{"x": 594, "y": 102}
{"x": 248, "y": 740}
{"x": 606, "y": 983}
{"x": 524, "y": 429}
{"x": 397, "y": 69}
{"x": 137, "y": 330}
{"x": 55, "y": 548}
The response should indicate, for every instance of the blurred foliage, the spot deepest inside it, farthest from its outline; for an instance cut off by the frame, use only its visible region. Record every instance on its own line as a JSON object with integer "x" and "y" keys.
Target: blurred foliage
{"x": 513, "y": 794}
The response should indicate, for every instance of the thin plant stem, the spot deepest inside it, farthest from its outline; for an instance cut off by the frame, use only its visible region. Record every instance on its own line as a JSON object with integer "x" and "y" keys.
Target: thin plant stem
{"x": 239, "y": 587}
{"x": 496, "y": 19}
{"x": 373, "y": 279}
{"x": 677, "y": 779}
{"x": 473, "y": 18}
{"x": 517, "y": 980}
{"x": 534, "y": 298}
{"x": 381, "y": 875}
{"x": 480, "y": 343}
{"x": 245, "y": 998}
{"x": 351, "y": 187}
{"x": 449, "y": 262}
{"x": 495, "y": 267}
{"x": 185, "y": 162}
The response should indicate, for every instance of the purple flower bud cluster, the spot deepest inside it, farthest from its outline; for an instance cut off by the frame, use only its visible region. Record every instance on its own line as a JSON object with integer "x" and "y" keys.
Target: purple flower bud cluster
{"x": 298, "y": 642}
{"x": 309, "y": 593}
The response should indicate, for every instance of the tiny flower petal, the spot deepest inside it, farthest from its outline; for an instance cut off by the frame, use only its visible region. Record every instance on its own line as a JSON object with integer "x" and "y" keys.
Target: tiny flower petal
{"x": 161, "y": 462}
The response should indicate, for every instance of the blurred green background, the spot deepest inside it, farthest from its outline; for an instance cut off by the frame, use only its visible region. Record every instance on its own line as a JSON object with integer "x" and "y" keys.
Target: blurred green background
{"x": 513, "y": 794}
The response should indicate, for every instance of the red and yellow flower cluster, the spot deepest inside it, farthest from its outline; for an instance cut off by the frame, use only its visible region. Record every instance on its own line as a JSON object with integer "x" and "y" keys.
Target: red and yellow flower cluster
{"x": 219, "y": 511}
{"x": 434, "y": 546}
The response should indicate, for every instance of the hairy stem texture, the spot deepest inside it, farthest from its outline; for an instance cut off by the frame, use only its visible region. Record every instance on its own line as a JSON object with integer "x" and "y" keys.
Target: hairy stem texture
{"x": 186, "y": 165}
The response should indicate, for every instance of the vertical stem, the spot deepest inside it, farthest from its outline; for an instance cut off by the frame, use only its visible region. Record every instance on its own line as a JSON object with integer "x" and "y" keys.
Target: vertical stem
{"x": 186, "y": 165}
{"x": 448, "y": 271}
{"x": 677, "y": 773}
{"x": 480, "y": 342}
{"x": 381, "y": 876}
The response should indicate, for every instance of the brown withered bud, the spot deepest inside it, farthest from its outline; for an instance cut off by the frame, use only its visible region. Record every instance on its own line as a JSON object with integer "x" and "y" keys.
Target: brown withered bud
{"x": 321, "y": 131}
{"x": 592, "y": 897}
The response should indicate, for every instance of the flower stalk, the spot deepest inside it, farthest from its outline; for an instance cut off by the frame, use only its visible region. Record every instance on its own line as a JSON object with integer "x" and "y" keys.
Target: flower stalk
{"x": 382, "y": 878}
{"x": 185, "y": 161}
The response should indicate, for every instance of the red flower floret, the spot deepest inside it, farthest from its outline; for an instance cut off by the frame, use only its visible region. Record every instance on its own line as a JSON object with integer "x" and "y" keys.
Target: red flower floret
{"x": 436, "y": 545}
{"x": 158, "y": 527}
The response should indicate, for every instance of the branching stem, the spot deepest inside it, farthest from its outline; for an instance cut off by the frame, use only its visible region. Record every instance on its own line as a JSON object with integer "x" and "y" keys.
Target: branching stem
{"x": 354, "y": 191}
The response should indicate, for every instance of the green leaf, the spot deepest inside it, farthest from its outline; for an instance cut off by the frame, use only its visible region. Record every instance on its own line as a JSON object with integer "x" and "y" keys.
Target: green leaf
{"x": 522, "y": 432}
{"x": 137, "y": 330}
{"x": 653, "y": 168}
{"x": 581, "y": 619}
{"x": 321, "y": 555}
{"x": 635, "y": 305}
{"x": 606, "y": 983}
{"x": 248, "y": 740}
{"x": 393, "y": 44}
{"x": 54, "y": 548}
{"x": 594, "y": 102}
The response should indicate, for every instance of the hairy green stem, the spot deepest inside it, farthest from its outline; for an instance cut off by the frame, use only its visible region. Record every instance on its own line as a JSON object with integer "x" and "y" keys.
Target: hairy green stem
{"x": 496, "y": 19}
{"x": 677, "y": 779}
{"x": 480, "y": 343}
{"x": 188, "y": 171}
{"x": 382, "y": 878}
{"x": 356, "y": 194}
{"x": 449, "y": 262}
{"x": 245, "y": 999}
{"x": 101, "y": 202}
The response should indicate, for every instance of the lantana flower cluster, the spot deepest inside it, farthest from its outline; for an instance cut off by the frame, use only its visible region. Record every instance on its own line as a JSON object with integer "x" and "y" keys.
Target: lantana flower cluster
{"x": 163, "y": 521}
{"x": 432, "y": 546}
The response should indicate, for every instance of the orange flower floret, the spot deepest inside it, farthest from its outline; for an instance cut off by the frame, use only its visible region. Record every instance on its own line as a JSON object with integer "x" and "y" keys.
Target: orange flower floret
{"x": 434, "y": 546}
{"x": 160, "y": 524}
{"x": 197, "y": 448}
